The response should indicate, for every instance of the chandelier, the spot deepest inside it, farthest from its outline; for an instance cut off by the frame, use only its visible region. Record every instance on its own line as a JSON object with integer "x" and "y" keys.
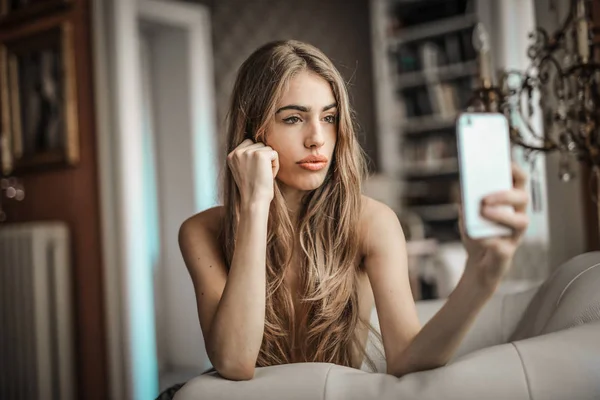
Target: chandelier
{"x": 563, "y": 78}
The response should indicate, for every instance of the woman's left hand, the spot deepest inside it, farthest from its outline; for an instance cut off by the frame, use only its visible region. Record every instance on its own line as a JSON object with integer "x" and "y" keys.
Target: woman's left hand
{"x": 490, "y": 258}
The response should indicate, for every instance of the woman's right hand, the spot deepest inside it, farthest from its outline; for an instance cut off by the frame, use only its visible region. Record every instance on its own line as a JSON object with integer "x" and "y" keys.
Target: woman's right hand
{"x": 254, "y": 167}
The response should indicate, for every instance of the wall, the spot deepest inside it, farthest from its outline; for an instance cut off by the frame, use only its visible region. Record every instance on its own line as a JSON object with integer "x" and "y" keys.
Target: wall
{"x": 339, "y": 28}
{"x": 179, "y": 334}
{"x": 71, "y": 195}
{"x": 565, "y": 199}
{"x": 591, "y": 207}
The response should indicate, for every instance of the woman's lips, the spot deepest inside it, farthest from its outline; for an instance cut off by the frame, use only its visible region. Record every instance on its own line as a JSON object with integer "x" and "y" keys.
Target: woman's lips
{"x": 313, "y": 162}
{"x": 313, "y": 166}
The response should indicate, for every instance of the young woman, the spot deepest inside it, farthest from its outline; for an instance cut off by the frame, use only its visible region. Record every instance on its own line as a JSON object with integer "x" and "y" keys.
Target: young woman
{"x": 288, "y": 270}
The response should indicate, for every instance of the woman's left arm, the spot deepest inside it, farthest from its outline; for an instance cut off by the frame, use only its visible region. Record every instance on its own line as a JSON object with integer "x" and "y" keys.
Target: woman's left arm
{"x": 408, "y": 347}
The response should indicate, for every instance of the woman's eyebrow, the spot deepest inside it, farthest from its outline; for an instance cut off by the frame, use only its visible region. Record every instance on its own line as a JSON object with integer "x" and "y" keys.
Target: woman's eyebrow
{"x": 332, "y": 105}
{"x": 293, "y": 107}
{"x": 303, "y": 108}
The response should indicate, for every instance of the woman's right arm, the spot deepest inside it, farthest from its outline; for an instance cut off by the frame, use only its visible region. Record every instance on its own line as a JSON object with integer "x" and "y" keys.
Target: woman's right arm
{"x": 231, "y": 306}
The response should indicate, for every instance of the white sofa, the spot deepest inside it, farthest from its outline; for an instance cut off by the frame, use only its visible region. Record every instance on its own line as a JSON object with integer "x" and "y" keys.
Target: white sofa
{"x": 540, "y": 344}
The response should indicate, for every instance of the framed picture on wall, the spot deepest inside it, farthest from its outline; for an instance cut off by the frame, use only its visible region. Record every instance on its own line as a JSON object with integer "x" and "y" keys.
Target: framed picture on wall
{"x": 19, "y": 9}
{"x": 6, "y": 164}
{"x": 42, "y": 98}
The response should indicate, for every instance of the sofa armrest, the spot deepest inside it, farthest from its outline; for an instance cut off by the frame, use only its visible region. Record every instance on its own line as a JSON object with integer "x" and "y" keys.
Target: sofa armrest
{"x": 494, "y": 324}
{"x": 496, "y": 321}
{"x": 301, "y": 381}
{"x": 559, "y": 365}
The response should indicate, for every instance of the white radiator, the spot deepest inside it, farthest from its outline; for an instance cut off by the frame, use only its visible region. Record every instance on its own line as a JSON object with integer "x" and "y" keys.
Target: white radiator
{"x": 36, "y": 327}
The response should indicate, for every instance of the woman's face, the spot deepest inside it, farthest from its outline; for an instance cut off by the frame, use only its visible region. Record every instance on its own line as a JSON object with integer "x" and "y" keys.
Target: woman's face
{"x": 303, "y": 131}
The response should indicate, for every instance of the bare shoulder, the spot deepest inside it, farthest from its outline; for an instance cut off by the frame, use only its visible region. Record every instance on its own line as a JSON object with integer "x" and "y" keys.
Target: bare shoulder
{"x": 199, "y": 237}
{"x": 372, "y": 208}
{"x": 377, "y": 223}
{"x": 376, "y": 215}
{"x": 207, "y": 222}
{"x": 203, "y": 257}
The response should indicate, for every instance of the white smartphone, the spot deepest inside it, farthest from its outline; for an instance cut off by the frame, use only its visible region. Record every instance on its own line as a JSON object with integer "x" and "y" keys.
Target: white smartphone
{"x": 484, "y": 161}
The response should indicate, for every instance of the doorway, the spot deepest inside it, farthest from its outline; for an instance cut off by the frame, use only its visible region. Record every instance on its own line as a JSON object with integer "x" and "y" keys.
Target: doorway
{"x": 156, "y": 146}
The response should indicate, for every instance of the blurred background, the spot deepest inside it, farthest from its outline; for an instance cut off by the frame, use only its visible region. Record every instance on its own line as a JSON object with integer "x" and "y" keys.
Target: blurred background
{"x": 112, "y": 134}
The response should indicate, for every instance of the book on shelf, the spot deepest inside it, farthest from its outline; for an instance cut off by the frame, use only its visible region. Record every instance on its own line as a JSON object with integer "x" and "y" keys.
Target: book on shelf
{"x": 453, "y": 48}
{"x": 429, "y": 150}
{"x": 436, "y": 101}
{"x": 423, "y": 192}
{"x": 452, "y": 43}
{"x": 438, "y": 95}
{"x": 437, "y": 212}
{"x": 431, "y": 60}
{"x": 448, "y": 100}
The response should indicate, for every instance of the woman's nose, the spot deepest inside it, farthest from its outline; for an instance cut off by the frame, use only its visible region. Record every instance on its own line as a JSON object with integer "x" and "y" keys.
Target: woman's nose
{"x": 315, "y": 137}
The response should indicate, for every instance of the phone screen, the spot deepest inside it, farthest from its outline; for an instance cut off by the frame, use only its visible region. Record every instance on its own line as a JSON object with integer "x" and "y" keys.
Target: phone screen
{"x": 485, "y": 167}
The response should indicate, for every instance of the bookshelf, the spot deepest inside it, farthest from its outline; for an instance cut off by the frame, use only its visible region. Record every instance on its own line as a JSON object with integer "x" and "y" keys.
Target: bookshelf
{"x": 425, "y": 70}
{"x": 424, "y": 67}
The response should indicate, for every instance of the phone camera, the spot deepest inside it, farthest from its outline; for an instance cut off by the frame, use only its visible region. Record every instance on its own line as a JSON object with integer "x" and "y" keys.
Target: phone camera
{"x": 469, "y": 121}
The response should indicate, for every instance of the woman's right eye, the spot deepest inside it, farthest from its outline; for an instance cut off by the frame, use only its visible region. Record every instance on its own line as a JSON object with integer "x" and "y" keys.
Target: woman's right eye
{"x": 291, "y": 120}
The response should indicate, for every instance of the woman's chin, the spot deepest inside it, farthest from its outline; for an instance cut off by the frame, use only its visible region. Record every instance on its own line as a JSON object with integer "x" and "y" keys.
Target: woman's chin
{"x": 312, "y": 186}
{"x": 306, "y": 184}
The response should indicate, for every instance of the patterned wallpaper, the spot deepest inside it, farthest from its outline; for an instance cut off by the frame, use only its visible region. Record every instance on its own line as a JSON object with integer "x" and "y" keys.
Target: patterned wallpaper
{"x": 341, "y": 29}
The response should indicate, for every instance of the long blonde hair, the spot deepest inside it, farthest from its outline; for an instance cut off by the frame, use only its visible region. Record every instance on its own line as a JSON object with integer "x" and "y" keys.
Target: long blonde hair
{"x": 327, "y": 223}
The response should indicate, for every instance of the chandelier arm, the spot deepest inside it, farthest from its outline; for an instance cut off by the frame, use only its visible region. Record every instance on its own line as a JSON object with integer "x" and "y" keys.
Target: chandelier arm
{"x": 544, "y": 76}
{"x": 581, "y": 142}
{"x": 570, "y": 17}
{"x": 541, "y": 41}
{"x": 589, "y": 68}
{"x": 516, "y": 138}
{"x": 518, "y": 93}
{"x": 532, "y": 131}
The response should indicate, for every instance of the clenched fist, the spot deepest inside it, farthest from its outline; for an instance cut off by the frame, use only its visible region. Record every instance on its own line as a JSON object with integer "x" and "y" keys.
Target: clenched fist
{"x": 254, "y": 167}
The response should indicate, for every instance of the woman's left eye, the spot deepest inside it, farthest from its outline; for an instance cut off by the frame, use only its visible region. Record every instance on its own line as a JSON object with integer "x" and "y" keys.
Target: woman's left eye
{"x": 331, "y": 119}
{"x": 291, "y": 120}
